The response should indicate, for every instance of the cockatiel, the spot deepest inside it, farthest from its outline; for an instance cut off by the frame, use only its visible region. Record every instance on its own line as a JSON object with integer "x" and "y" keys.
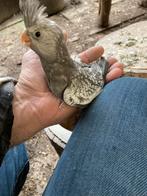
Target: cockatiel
{"x": 70, "y": 80}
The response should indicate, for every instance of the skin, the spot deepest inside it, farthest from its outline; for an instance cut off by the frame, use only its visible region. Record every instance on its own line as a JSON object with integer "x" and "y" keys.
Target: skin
{"x": 34, "y": 106}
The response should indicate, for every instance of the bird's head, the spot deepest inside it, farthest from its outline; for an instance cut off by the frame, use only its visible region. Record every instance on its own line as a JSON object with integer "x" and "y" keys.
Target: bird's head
{"x": 42, "y": 35}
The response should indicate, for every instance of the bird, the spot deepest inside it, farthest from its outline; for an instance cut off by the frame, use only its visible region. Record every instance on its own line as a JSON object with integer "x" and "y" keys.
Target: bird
{"x": 74, "y": 82}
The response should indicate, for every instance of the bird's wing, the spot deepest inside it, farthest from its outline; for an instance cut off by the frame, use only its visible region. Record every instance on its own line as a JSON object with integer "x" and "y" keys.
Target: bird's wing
{"x": 100, "y": 64}
{"x": 78, "y": 63}
{"x": 84, "y": 87}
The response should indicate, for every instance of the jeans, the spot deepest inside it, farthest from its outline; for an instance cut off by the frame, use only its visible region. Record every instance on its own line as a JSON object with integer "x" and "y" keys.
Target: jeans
{"x": 107, "y": 152}
{"x": 13, "y": 171}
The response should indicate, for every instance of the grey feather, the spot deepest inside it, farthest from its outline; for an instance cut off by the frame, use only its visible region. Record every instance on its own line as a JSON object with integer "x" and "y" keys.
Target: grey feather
{"x": 32, "y": 12}
{"x": 69, "y": 79}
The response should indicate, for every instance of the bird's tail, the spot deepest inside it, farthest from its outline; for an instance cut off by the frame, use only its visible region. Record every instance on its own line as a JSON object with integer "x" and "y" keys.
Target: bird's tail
{"x": 104, "y": 65}
{"x": 101, "y": 66}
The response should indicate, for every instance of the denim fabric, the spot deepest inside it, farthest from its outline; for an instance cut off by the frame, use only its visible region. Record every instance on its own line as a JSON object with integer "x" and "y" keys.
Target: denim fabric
{"x": 107, "y": 153}
{"x": 13, "y": 171}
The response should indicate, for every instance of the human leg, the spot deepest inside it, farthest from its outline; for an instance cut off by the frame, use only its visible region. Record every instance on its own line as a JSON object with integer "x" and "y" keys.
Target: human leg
{"x": 13, "y": 171}
{"x": 107, "y": 153}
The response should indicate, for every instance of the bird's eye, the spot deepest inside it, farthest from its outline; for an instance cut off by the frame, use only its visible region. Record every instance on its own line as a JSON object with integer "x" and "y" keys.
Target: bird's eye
{"x": 37, "y": 34}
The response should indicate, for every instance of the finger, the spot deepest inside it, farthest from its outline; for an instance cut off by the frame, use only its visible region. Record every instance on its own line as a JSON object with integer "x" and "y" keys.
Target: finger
{"x": 112, "y": 60}
{"x": 91, "y": 54}
{"x": 116, "y": 65}
{"x": 114, "y": 74}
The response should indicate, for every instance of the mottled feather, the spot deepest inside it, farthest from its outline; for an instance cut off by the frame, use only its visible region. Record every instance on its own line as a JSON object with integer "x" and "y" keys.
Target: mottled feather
{"x": 86, "y": 83}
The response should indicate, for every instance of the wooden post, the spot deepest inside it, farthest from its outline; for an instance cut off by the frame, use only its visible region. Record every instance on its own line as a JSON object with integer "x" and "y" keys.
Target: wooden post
{"x": 104, "y": 11}
{"x": 53, "y": 6}
{"x": 143, "y": 3}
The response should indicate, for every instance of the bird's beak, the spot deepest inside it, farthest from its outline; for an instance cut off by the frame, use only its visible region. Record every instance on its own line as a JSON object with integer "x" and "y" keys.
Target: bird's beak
{"x": 25, "y": 39}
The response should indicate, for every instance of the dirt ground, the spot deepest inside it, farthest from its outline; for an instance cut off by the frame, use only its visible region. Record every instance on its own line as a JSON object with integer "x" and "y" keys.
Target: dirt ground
{"x": 80, "y": 21}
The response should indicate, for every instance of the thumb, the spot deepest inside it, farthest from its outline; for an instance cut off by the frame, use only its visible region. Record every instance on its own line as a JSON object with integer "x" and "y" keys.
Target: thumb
{"x": 91, "y": 54}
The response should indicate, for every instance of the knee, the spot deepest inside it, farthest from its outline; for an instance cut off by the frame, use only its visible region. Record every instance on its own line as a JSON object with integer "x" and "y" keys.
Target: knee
{"x": 124, "y": 88}
{"x": 125, "y": 92}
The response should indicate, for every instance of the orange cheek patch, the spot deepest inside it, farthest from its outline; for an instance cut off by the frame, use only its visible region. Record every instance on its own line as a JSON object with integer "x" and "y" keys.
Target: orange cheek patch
{"x": 25, "y": 39}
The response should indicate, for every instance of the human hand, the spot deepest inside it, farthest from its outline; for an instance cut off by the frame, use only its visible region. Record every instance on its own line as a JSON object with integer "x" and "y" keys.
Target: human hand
{"x": 34, "y": 106}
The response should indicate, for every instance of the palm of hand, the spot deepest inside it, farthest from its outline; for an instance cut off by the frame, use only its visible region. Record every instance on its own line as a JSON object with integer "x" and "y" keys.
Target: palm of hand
{"x": 33, "y": 103}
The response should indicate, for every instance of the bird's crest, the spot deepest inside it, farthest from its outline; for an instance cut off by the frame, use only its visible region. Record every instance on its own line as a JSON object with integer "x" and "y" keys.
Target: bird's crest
{"x": 32, "y": 11}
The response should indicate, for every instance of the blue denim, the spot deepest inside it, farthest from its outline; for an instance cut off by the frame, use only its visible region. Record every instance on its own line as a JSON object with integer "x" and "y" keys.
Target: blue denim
{"x": 107, "y": 152}
{"x": 13, "y": 171}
